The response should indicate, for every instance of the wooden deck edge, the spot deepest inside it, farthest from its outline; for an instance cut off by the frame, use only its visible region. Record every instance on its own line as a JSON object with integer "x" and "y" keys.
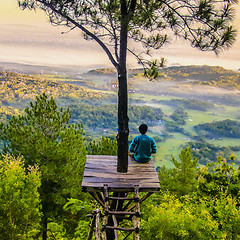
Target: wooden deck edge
{"x": 112, "y": 189}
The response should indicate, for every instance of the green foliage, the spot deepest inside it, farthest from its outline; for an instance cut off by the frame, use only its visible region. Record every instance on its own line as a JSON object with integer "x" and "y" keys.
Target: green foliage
{"x": 179, "y": 116}
{"x": 204, "y": 75}
{"x": 207, "y": 153}
{"x": 18, "y": 89}
{"x": 105, "y": 116}
{"x": 182, "y": 178}
{"x": 225, "y": 128}
{"x": 105, "y": 146}
{"x": 179, "y": 119}
{"x": 212, "y": 212}
{"x": 218, "y": 178}
{"x": 172, "y": 126}
{"x": 44, "y": 136}
{"x": 19, "y": 199}
{"x": 191, "y": 218}
{"x": 78, "y": 209}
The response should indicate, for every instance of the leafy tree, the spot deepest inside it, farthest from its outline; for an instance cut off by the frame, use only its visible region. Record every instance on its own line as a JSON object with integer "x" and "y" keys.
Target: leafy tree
{"x": 179, "y": 116}
{"x": 193, "y": 218}
{"x": 19, "y": 199}
{"x": 211, "y": 213}
{"x": 79, "y": 209}
{"x": 44, "y": 137}
{"x": 105, "y": 146}
{"x": 205, "y": 24}
{"x": 219, "y": 178}
{"x": 208, "y": 153}
{"x": 182, "y": 178}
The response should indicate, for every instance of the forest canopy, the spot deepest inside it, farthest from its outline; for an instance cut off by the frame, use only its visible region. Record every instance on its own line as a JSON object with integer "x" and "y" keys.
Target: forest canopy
{"x": 218, "y": 129}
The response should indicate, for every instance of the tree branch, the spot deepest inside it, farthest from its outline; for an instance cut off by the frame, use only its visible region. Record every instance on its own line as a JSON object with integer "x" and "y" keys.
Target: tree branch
{"x": 104, "y": 47}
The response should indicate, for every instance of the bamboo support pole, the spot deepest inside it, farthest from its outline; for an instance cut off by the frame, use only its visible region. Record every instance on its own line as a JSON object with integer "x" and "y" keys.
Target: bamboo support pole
{"x": 105, "y": 222}
{"x": 105, "y": 193}
{"x": 136, "y": 218}
{"x": 90, "y": 233}
{"x": 97, "y": 198}
{"x": 141, "y": 200}
{"x": 106, "y": 206}
{"x": 115, "y": 223}
{"x": 97, "y": 230}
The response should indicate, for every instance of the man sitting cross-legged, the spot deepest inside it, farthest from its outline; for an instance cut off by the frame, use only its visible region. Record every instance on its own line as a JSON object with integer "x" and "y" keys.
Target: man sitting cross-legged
{"x": 142, "y": 146}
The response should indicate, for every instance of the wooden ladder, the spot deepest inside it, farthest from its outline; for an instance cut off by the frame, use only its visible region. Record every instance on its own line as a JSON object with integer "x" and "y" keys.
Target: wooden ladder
{"x": 115, "y": 209}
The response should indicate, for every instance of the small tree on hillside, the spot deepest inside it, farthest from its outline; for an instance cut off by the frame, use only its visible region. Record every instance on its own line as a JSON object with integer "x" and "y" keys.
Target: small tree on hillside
{"x": 111, "y": 23}
{"x": 182, "y": 178}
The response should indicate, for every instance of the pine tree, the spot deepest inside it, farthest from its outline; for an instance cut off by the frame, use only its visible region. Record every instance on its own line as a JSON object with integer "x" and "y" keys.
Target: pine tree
{"x": 182, "y": 178}
{"x": 43, "y": 136}
{"x": 206, "y": 24}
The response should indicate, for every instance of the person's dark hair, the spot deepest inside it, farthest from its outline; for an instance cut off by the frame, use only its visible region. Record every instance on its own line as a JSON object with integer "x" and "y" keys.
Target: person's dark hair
{"x": 143, "y": 128}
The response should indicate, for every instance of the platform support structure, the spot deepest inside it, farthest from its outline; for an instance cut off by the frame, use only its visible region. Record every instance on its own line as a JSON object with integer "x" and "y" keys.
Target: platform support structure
{"x": 115, "y": 208}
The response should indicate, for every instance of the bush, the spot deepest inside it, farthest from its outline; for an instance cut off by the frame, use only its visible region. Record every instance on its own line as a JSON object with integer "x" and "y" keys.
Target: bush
{"x": 192, "y": 218}
{"x": 19, "y": 200}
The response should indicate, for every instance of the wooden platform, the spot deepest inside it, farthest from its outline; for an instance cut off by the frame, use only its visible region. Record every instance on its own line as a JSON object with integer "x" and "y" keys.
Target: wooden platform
{"x": 102, "y": 170}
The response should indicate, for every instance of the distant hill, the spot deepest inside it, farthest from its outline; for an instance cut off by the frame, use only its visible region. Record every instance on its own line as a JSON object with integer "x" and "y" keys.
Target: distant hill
{"x": 16, "y": 90}
{"x": 17, "y": 87}
{"x": 205, "y": 75}
{"x": 103, "y": 71}
{"x": 202, "y": 75}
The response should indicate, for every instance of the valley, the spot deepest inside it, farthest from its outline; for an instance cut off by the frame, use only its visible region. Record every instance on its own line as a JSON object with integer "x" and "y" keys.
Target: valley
{"x": 173, "y": 106}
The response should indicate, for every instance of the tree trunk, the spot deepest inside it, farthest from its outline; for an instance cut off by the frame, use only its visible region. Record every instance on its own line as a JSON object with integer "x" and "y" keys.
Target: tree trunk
{"x": 44, "y": 226}
{"x": 44, "y": 220}
{"x": 123, "y": 130}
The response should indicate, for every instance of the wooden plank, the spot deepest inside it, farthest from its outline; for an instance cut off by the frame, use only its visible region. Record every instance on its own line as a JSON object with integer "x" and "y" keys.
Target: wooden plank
{"x": 118, "y": 179}
{"x": 122, "y": 188}
{"x": 120, "y": 183}
{"x": 102, "y": 170}
{"x": 109, "y": 175}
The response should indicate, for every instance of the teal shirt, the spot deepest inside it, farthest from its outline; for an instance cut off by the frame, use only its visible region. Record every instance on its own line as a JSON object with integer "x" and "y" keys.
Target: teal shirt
{"x": 143, "y": 146}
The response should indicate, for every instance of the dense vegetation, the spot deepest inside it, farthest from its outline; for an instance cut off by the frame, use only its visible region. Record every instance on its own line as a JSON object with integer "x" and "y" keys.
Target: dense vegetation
{"x": 219, "y": 129}
{"x": 195, "y": 202}
{"x": 44, "y": 137}
{"x": 18, "y": 89}
{"x": 206, "y": 152}
{"x": 97, "y": 110}
{"x": 105, "y": 116}
{"x": 19, "y": 199}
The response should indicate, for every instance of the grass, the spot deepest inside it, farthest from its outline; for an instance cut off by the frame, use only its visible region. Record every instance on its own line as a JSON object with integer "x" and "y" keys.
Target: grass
{"x": 170, "y": 147}
{"x": 225, "y": 142}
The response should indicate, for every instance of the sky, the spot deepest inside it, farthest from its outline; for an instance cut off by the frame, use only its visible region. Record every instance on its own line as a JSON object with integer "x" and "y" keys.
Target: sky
{"x": 27, "y": 37}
